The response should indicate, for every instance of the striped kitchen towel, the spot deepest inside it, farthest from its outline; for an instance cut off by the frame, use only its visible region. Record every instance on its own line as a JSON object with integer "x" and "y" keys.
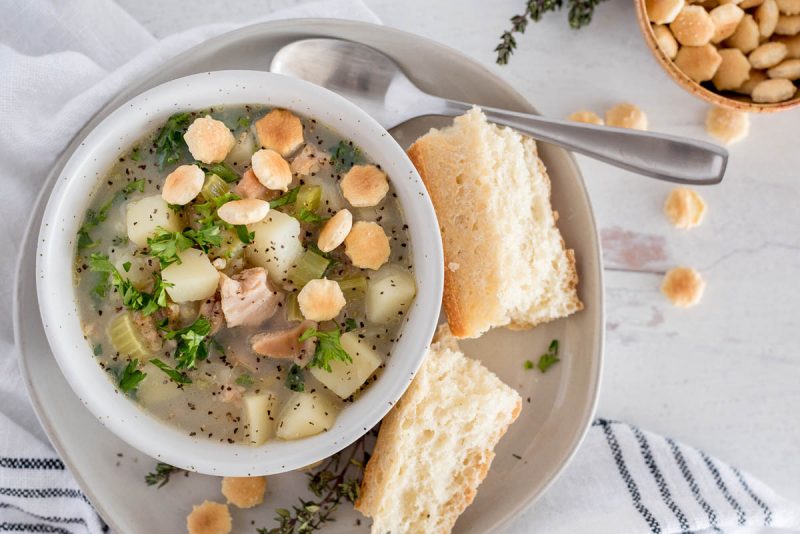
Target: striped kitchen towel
{"x": 627, "y": 480}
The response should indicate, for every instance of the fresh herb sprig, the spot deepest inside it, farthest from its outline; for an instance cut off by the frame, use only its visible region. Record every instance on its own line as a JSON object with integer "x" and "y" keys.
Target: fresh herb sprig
{"x": 337, "y": 481}
{"x": 344, "y": 155}
{"x": 161, "y": 475}
{"x": 579, "y": 14}
{"x": 170, "y": 142}
{"x": 295, "y": 379}
{"x": 289, "y": 197}
{"x": 308, "y": 216}
{"x": 546, "y": 360}
{"x": 130, "y": 376}
{"x": 329, "y": 348}
{"x": 132, "y": 298}
{"x": 192, "y": 343}
{"x": 94, "y": 218}
{"x": 173, "y": 374}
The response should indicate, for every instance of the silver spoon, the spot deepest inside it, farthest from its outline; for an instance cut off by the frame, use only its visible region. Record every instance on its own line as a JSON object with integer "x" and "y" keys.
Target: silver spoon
{"x": 376, "y": 83}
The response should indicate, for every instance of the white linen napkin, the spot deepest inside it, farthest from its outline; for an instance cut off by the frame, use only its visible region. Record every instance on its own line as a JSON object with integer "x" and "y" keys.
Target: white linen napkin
{"x": 60, "y": 62}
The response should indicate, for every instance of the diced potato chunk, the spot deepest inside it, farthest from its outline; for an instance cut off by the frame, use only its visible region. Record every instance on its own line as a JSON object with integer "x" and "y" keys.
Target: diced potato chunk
{"x": 194, "y": 278}
{"x": 345, "y": 377}
{"x": 389, "y": 297}
{"x": 259, "y": 414}
{"x": 242, "y": 151}
{"x": 156, "y": 388}
{"x": 306, "y": 414}
{"x": 145, "y": 215}
{"x": 276, "y": 245}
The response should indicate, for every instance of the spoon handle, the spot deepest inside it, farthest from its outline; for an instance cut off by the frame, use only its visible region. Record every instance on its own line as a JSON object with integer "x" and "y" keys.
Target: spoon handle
{"x": 666, "y": 157}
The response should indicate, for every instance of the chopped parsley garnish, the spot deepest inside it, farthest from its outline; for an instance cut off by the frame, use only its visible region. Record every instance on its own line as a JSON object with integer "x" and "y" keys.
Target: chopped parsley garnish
{"x": 127, "y": 266}
{"x": 136, "y": 155}
{"x": 208, "y": 235}
{"x": 244, "y": 236}
{"x": 174, "y": 375}
{"x": 245, "y": 380}
{"x": 132, "y": 298}
{"x": 295, "y": 379}
{"x": 549, "y": 358}
{"x": 344, "y": 155}
{"x": 328, "y": 348}
{"x": 309, "y": 216}
{"x": 161, "y": 475}
{"x": 192, "y": 343}
{"x": 350, "y": 324}
{"x": 166, "y": 246}
{"x": 130, "y": 376}
{"x": 170, "y": 142}
{"x": 97, "y": 349}
{"x": 528, "y": 364}
{"x": 288, "y": 197}
{"x": 244, "y": 122}
{"x": 222, "y": 170}
{"x": 94, "y": 218}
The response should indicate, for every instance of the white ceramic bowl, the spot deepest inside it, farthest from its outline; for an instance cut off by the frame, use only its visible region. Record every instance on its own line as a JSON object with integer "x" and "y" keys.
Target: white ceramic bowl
{"x": 56, "y": 252}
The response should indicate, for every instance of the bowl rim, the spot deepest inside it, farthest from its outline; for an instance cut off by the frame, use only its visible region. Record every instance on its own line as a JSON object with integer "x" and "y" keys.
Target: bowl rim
{"x": 56, "y": 292}
{"x": 695, "y": 88}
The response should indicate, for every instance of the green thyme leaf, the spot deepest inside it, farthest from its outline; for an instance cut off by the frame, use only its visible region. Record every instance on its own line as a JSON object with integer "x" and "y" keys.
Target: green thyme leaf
{"x": 161, "y": 475}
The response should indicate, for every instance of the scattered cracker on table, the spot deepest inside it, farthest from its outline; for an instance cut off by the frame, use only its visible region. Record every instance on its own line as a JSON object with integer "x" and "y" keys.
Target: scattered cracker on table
{"x": 727, "y": 125}
{"x": 209, "y": 518}
{"x": 683, "y": 286}
{"x": 626, "y": 115}
{"x": 684, "y": 208}
{"x": 244, "y": 492}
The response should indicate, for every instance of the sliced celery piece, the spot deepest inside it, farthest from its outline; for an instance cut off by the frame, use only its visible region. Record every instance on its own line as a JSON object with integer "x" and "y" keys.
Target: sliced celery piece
{"x": 308, "y": 198}
{"x": 126, "y": 339}
{"x": 308, "y": 266}
{"x": 214, "y": 187}
{"x": 353, "y": 287}
{"x": 292, "y": 308}
{"x": 231, "y": 247}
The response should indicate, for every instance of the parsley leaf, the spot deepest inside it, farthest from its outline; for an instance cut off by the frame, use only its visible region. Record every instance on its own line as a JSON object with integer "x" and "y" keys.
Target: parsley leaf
{"x": 344, "y": 155}
{"x": 528, "y": 364}
{"x": 245, "y": 380}
{"x": 135, "y": 154}
{"x": 208, "y": 235}
{"x": 175, "y": 376}
{"x": 130, "y": 376}
{"x": 350, "y": 324}
{"x": 98, "y": 349}
{"x": 92, "y": 219}
{"x": 192, "y": 343}
{"x": 244, "y": 236}
{"x": 222, "y": 170}
{"x": 243, "y": 121}
{"x": 309, "y": 216}
{"x": 287, "y": 198}
{"x": 166, "y": 246}
{"x": 170, "y": 142}
{"x": 132, "y": 298}
{"x": 328, "y": 348}
{"x": 549, "y": 358}
{"x": 295, "y": 379}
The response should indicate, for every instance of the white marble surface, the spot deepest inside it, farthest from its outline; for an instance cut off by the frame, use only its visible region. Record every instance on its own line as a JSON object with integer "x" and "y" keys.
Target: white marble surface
{"x": 723, "y": 376}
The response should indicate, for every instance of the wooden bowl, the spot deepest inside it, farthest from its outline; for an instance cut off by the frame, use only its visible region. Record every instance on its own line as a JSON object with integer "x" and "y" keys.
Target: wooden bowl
{"x": 725, "y": 100}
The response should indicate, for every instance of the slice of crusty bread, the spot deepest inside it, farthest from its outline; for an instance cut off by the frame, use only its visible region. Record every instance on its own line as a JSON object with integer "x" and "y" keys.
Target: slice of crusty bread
{"x": 435, "y": 446}
{"x": 505, "y": 260}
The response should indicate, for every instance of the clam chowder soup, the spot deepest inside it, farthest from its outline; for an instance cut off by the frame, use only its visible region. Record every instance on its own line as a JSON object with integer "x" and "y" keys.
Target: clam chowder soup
{"x": 243, "y": 273}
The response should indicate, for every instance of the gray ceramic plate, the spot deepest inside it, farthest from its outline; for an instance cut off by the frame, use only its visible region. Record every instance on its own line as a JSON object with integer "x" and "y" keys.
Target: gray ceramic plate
{"x": 558, "y": 406}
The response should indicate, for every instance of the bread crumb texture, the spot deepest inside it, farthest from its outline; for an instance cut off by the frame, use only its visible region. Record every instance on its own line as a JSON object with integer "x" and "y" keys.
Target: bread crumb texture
{"x": 491, "y": 194}
{"x": 436, "y": 445}
{"x": 727, "y": 125}
{"x": 244, "y": 492}
{"x": 209, "y": 518}
{"x": 683, "y": 286}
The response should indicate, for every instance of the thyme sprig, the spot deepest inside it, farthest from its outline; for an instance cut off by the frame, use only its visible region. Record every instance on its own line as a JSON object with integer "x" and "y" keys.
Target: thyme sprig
{"x": 338, "y": 480}
{"x": 579, "y": 15}
{"x": 161, "y": 475}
